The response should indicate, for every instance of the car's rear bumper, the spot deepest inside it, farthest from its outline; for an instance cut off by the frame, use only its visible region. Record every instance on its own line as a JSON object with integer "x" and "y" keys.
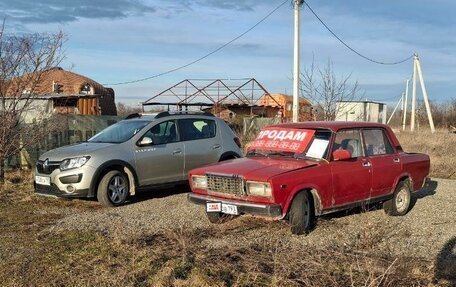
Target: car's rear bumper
{"x": 426, "y": 182}
{"x": 269, "y": 210}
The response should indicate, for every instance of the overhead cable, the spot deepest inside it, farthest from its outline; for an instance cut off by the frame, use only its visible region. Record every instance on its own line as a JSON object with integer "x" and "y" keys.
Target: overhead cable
{"x": 205, "y": 56}
{"x": 349, "y": 47}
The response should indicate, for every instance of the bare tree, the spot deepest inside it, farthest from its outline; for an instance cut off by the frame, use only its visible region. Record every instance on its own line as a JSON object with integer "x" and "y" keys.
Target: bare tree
{"x": 23, "y": 61}
{"x": 328, "y": 94}
{"x": 125, "y": 110}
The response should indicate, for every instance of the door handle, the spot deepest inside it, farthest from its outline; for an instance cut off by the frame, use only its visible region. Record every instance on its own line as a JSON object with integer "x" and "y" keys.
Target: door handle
{"x": 366, "y": 164}
{"x": 216, "y": 146}
{"x": 177, "y": 151}
{"x": 397, "y": 160}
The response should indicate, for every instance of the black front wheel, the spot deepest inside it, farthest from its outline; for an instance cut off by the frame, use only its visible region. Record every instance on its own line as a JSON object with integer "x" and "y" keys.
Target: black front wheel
{"x": 301, "y": 214}
{"x": 113, "y": 188}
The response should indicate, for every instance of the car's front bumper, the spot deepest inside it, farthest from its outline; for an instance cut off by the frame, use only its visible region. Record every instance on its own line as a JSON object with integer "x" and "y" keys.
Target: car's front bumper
{"x": 71, "y": 183}
{"x": 54, "y": 191}
{"x": 269, "y": 210}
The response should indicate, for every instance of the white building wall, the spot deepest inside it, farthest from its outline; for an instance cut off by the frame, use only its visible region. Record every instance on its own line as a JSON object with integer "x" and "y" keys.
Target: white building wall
{"x": 350, "y": 111}
{"x": 361, "y": 111}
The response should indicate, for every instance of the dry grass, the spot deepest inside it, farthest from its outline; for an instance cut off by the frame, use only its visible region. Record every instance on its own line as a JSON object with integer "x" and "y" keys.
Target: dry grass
{"x": 31, "y": 254}
{"x": 440, "y": 146}
{"x": 178, "y": 258}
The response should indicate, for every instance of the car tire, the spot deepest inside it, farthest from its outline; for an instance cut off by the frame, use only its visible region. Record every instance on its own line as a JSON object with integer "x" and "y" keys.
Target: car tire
{"x": 218, "y": 217}
{"x": 400, "y": 203}
{"x": 301, "y": 214}
{"x": 113, "y": 189}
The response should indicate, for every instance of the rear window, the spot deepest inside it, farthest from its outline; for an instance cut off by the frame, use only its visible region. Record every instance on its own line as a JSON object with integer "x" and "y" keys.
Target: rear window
{"x": 194, "y": 129}
{"x": 376, "y": 142}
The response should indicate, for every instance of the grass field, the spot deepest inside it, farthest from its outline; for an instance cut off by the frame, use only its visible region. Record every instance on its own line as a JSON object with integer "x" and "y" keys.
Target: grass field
{"x": 32, "y": 254}
{"x": 440, "y": 146}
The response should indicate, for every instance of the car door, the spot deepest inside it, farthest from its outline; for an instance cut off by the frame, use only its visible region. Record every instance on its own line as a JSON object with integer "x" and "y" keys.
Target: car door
{"x": 352, "y": 178}
{"x": 386, "y": 164}
{"x": 202, "y": 145}
{"x": 160, "y": 155}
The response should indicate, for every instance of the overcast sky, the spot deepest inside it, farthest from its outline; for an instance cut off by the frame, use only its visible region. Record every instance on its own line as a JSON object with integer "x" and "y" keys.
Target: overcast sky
{"x": 119, "y": 40}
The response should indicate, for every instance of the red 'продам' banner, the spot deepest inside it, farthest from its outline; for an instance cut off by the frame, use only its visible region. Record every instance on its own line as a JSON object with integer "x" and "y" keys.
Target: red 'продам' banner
{"x": 283, "y": 139}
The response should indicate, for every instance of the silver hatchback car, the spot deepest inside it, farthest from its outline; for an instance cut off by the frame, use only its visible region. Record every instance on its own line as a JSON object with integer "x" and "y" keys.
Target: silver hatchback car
{"x": 139, "y": 152}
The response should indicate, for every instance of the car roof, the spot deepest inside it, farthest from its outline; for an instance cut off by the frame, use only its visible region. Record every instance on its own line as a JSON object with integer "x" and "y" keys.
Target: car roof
{"x": 331, "y": 125}
{"x": 165, "y": 114}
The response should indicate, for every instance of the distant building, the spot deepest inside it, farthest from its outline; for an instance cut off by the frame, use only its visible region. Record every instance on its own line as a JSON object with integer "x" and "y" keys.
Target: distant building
{"x": 227, "y": 114}
{"x": 361, "y": 111}
{"x": 286, "y": 102}
{"x": 65, "y": 92}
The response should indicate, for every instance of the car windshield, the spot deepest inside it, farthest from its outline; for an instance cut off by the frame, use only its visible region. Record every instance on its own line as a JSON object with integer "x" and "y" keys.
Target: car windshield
{"x": 315, "y": 148}
{"x": 119, "y": 132}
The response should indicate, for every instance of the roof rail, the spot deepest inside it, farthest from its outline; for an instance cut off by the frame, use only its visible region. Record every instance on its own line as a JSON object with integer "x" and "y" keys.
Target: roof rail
{"x": 167, "y": 114}
{"x": 132, "y": 116}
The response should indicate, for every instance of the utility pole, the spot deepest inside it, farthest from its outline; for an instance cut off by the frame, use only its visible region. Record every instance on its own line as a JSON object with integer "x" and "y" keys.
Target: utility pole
{"x": 423, "y": 90}
{"x": 401, "y": 101}
{"x": 405, "y": 105}
{"x": 297, "y": 6}
{"x": 417, "y": 72}
{"x": 412, "y": 120}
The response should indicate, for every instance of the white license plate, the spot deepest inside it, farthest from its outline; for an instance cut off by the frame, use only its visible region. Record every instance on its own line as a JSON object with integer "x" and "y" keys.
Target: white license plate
{"x": 221, "y": 207}
{"x": 214, "y": 207}
{"x": 43, "y": 180}
{"x": 229, "y": 209}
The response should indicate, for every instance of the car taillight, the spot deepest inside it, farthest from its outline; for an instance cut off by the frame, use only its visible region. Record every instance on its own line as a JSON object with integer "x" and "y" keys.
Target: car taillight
{"x": 237, "y": 141}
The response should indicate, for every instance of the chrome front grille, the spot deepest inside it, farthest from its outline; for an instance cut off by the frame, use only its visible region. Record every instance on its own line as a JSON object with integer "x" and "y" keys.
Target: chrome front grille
{"x": 225, "y": 184}
{"x": 47, "y": 167}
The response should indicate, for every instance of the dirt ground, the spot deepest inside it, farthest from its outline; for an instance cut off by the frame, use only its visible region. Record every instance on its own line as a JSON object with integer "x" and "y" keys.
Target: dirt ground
{"x": 159, "y": 239}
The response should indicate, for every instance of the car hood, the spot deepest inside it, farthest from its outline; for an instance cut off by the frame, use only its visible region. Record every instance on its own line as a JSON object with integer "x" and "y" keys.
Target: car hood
{"x": 75, "y": 150}
{"x": 257, "y": 168}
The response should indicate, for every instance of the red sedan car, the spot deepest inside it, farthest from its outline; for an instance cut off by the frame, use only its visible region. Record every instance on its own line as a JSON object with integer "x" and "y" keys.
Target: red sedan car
{"x": 302, "y": 170}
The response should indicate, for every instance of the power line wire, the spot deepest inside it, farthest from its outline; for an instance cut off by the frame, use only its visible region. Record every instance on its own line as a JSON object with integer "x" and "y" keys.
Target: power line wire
{"x": 387, "y": 99}
{"x": 205, "y": 56}
{"x": 349, "y": 47}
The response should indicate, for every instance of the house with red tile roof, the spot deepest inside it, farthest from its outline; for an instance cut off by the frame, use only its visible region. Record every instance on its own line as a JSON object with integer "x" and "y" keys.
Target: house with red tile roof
{"x": 66, "y": 92}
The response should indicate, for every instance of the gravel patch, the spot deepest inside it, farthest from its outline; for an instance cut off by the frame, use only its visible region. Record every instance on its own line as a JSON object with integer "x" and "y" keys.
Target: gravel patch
{"x": 421, "y": 233}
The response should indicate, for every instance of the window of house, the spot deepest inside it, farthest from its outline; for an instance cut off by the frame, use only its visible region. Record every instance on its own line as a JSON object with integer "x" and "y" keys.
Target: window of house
{"x": 86, "y": 89}
{"x": 376, "y": 142}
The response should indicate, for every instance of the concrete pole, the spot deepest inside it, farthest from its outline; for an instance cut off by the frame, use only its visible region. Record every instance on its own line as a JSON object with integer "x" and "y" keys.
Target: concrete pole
{"x": 405, "y": 105}
{"x": 395, "y": 108}
{"x": 412, "y": 122}
{"x": 385, "y": 109}
{"x": 297, "y": 4}
{"x": 402, "y": 102}
{"x": 426, "y": 100}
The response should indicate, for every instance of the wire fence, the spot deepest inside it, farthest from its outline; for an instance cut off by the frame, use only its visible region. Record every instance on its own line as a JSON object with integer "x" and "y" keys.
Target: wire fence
{"x": 63, "y": 130}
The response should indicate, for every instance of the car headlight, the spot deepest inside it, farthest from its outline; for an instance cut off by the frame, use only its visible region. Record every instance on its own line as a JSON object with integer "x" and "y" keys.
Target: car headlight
{"x": 199, "y": 181}
{"x": 255, "y": 188}
{"x": 76, "y": 162}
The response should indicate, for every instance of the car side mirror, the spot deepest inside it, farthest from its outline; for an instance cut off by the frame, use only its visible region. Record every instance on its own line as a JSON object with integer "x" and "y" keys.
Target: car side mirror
{"x": 341, "y": 154}
{"x": 145, "y": 141}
